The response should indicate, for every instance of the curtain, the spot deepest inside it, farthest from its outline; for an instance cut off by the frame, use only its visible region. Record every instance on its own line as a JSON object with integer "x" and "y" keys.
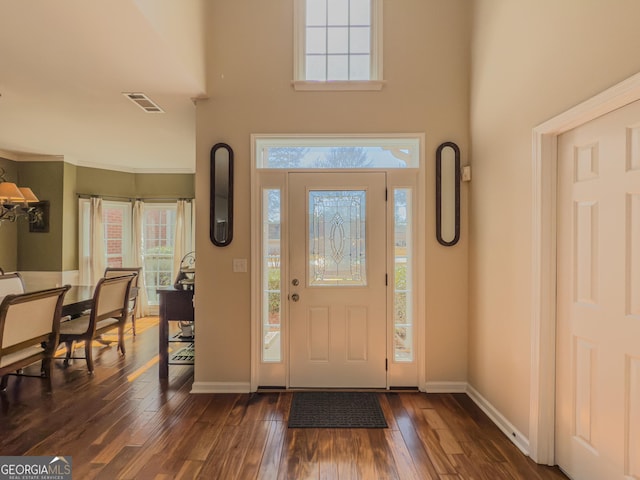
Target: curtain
{"x": 180, "y": 240}
{"x": 137, "y": 251}
{"x": 96, "y": 241}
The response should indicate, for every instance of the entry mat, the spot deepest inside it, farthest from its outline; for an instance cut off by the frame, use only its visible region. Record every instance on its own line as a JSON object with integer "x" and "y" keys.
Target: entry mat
{"x": 336, "y": 410}
{"x": 185, "y": 354}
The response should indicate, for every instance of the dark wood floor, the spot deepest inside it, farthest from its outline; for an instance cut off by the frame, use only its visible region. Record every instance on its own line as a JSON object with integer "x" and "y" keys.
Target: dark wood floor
{"x": 123, "y": 422}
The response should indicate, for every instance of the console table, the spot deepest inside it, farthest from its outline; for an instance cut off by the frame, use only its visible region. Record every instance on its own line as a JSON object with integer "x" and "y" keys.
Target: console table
{"x": 175, "y": 305}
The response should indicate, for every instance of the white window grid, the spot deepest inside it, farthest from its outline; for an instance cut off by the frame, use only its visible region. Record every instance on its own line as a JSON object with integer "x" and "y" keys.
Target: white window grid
{"x": 321, "y": 41}
{"x": 158, "y": 242}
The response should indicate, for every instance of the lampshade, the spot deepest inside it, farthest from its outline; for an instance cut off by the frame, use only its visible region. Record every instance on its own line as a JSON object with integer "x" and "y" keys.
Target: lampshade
{"x": 9, "y": 192}
{"x": 28, "y": 195}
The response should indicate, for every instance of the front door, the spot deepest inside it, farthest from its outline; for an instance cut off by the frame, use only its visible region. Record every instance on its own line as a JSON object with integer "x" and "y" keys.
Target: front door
{"x": 337, "y": 295}
{"x": 598, "y": 358}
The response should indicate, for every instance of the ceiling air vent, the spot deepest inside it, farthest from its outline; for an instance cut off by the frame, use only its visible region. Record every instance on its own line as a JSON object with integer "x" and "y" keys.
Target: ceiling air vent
{"x": 144, "y": 102}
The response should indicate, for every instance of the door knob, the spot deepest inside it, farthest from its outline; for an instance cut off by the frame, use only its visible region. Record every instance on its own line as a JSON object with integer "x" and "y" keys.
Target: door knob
{"x": 295, "y": 297}
{"x": 295, "y": 282}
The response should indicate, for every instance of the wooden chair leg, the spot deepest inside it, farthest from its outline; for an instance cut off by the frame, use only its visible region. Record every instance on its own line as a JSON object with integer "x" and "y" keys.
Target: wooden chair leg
{"x": 88, "y": 353}
{"x": 69, "y": 352}
{"x": 45, "y": 369}
{"x": 121, "y": 338}
{"x": 46, "y": 374}
{"x": 133, "y": 324}
{"x": 48, "y": 385}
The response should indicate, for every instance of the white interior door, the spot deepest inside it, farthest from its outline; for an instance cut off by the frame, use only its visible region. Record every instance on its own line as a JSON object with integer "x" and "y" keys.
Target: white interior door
{"x": 337, "y": 291}
{"x": 598, "y": 355}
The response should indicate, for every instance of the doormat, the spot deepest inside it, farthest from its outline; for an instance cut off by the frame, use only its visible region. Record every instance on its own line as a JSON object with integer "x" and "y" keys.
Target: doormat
{"x": 186, "y": 354}
{"x": 336, "y": 410}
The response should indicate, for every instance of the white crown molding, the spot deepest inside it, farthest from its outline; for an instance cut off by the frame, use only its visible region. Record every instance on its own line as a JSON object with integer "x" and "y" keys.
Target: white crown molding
{"x": 19, "y": 157}
{"x": 8, "y": 155}
{"x": 127, "y": 169}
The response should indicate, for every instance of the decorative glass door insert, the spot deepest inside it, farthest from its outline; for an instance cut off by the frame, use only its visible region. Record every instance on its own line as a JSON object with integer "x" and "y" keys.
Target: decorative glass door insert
{"x": 337, "y": 240}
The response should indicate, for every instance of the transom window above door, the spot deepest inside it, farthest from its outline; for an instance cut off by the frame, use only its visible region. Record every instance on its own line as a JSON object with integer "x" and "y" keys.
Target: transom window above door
{"x": 338, "y": 151}
{"x": 338, "y": 45}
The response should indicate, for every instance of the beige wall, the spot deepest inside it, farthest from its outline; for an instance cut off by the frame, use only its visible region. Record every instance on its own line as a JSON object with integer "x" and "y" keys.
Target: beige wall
{"x": 531, "y": 60}
{"x": 426, "y": 67}
{"x": 180, "y": 25}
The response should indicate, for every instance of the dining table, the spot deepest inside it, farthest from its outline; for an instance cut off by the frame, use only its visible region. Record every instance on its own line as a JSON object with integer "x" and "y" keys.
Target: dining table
{"x": 78, "y": 299}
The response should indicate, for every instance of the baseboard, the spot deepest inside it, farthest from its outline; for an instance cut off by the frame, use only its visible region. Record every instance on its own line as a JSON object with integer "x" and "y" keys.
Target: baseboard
{"x": 446, "y": 387}
{"x": 512, "y": 433}
{"x": 221, "y": 387}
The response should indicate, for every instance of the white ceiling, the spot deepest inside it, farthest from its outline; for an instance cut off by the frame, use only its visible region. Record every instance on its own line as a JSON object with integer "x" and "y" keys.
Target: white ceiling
{"x": 64, "y": 66}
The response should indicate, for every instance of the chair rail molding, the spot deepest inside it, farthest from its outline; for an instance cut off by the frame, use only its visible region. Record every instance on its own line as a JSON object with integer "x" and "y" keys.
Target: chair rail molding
{"x": 45, "y": 279}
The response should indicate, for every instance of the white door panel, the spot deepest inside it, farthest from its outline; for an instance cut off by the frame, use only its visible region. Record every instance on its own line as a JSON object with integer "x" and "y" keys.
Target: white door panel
{"x": 598, "y": 354}
{"x": 337, "y": 306}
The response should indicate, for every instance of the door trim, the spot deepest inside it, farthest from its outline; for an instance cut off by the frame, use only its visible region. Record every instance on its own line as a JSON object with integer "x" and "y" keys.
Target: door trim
{"x": 544, "y": 164}
{"x": 414, "y": 178}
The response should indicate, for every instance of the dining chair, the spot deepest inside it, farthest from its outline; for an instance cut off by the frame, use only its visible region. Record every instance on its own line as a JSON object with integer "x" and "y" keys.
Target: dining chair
{"x": 29, "y": 329}
{"x": 111, "y": 272}
{"x": 11, "y": 283}
{"x": 109, "y": 311}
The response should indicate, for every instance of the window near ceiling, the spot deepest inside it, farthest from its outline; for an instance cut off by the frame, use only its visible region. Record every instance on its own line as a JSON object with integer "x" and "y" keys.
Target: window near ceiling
{"x": 338, "y": 45}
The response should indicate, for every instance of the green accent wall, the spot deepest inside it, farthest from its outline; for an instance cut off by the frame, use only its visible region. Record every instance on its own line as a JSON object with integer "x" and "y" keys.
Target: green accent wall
{"x": 61, "y": 183}
{"x": 70, "y": 219}
{"x": 42, "y": 251}
{"x": 108, "y": 183}
{"x": 150, "y": 185}
{"x": 96, "y": 181}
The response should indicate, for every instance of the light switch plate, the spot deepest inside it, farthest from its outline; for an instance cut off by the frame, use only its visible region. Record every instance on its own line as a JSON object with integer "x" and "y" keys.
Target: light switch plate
{"x": 239, "y": 265}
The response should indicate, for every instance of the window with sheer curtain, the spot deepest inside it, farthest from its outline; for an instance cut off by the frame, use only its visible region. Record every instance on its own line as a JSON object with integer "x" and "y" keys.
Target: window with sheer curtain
{"x": 155, "y": 237}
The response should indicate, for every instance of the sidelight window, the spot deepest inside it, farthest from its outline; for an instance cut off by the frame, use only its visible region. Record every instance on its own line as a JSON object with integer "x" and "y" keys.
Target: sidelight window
{"x": 271, "y": 281}
{"x": 403, "y": 350}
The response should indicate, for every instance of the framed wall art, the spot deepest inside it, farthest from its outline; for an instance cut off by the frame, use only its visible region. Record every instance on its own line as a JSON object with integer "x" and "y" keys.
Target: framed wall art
{"x": 39, "y": 217}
